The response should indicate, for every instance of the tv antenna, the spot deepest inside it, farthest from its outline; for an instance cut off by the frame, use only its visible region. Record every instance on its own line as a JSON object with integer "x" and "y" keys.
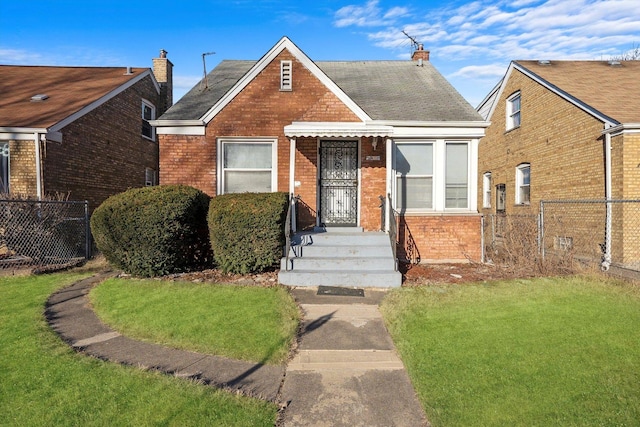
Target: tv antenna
{"x": 414, "y": 42}
{"x": 204, "y": 67}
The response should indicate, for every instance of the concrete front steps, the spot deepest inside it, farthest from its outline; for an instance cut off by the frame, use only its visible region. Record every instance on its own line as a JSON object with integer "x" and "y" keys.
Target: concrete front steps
{"x": 340, "y": 257}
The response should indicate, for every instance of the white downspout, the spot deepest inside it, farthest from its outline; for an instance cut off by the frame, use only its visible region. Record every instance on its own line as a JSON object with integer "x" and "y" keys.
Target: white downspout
{"x": 606, "y": 263}
{"x": 38, "y": 167}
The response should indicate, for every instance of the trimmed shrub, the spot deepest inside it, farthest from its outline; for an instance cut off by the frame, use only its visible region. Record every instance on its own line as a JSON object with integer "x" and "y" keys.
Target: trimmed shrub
{"x": 247, "y": 230}
{"x": 154, "y": 231}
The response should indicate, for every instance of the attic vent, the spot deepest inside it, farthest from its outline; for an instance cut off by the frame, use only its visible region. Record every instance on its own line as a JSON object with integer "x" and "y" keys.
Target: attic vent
{"x": 544, "y": 62}
{"x": 39, "y": 97}
{"x": 285, "y": 75}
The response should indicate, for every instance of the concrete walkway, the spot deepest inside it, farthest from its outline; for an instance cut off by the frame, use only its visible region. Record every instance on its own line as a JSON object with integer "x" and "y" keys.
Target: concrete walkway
{"x": 70, "y": 315}
{"x": 346, "y": 371}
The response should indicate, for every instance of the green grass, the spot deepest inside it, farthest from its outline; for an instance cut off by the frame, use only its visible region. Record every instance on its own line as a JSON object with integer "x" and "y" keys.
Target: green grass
{"x": 539, "y": 352}
{"x": 249, "y": 323}
{"x": 44, "y": 383}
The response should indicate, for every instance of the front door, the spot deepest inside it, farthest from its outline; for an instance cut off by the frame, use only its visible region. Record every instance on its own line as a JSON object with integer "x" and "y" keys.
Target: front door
{"x": 339, "y": 183}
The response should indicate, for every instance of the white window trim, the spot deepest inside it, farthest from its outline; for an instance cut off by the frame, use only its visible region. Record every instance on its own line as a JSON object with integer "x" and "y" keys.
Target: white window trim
{"x": 511, "y": 113}
{"x": 439, "y": 176}
{"x": 248, "y": 140}
{"x": 444, "y": 177}
{"x": 520, "y": 184}
{"x": 486, "y": 190}
{"x": 432, "y": 176}
{"x": 153, "y": 117}
{"x": 286, "y": 75}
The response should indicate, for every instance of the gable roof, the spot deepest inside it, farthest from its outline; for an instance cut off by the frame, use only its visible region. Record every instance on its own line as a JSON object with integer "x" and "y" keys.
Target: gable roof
{"x": 373, "y": 90}
{"x": 609, "y": 92}
{"x": 72, "y": 92}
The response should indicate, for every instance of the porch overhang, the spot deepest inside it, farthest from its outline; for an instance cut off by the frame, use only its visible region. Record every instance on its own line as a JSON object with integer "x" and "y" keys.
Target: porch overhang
{"x": 336, "y": 130}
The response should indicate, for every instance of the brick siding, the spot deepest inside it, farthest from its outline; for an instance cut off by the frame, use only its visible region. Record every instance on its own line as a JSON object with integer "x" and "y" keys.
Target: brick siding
{"x": 103, "y": 152}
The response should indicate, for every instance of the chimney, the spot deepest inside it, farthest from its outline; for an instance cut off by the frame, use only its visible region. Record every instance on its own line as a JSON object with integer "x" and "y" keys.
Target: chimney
{"x": 163, "y": 71}
{"x": 420, "y": 54}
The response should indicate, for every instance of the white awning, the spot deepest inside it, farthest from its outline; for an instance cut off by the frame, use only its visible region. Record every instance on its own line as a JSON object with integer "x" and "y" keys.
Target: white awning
{"x": 336, "y": 129}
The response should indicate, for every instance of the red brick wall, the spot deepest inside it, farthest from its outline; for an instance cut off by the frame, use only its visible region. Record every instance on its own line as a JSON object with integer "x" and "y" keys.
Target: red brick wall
{"x": 373, "y": 182}
{"x": 103, "y": 152}
{"x": 451, "y": 238}
{"x": 260, "y": 110}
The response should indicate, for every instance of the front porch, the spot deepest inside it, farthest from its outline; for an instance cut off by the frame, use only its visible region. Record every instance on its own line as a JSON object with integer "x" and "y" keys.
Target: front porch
{"x": 340, "y": 256}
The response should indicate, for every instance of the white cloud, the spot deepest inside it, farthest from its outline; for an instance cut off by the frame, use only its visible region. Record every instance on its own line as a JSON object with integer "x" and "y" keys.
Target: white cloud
{"x": 491, "y": 71}
{"x": 368, "y": 15}
{"x": 13, "y": 56}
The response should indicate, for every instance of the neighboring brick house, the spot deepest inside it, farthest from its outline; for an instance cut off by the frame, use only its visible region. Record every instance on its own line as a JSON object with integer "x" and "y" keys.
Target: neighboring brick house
{"x": 372, "y": 128}
{"x": 561, "y": 130}
{"x": 80, "y": 131}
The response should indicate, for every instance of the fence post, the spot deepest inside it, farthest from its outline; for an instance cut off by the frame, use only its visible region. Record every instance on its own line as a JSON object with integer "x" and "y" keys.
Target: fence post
{"x": 87, "y": 232}
{"x": 541, "y": 230}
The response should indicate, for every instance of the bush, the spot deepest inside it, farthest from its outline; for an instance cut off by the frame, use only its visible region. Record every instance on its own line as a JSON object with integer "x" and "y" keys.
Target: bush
{"x": 154, "y": 231}
{"x": 247, "y": 230}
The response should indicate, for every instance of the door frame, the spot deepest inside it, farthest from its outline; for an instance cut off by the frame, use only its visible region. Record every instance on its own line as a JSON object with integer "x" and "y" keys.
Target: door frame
{"x": 319, "y": 174}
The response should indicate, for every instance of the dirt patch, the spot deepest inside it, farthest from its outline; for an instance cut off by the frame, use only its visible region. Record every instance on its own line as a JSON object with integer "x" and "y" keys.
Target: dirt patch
{"x": 268, "y": 278}
{"x": 429, "y": 274}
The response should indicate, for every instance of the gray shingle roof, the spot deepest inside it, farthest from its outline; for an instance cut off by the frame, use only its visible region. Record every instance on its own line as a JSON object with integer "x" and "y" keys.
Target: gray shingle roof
{"x": 385, "y": 90}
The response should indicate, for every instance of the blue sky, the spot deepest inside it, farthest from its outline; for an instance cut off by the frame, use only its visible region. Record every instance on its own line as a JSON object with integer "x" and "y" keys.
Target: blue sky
{"x": 471, "y": 42}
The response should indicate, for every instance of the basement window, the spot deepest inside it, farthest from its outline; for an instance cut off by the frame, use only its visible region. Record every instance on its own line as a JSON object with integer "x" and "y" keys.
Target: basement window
{"x": 150, "y": 177}
{"x": 285, "y": 75}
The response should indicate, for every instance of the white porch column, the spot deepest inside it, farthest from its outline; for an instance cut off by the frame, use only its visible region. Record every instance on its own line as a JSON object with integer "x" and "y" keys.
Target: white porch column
{"x": 292, "y": 179}
{"x": 389, "y": 186}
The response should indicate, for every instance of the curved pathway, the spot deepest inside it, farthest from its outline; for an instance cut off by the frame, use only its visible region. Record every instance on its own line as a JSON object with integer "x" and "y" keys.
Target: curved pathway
{"x": 346, "y": 371}
{"x": 70, "y": 315}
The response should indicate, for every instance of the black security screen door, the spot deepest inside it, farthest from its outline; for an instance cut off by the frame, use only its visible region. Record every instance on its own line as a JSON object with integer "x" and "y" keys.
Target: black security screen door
{"x": 339, "y": 183}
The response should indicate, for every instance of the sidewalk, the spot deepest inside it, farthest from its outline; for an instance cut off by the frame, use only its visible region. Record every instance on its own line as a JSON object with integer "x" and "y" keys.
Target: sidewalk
{"x": 346, "y": 371}
{"x": 69, "y": 314}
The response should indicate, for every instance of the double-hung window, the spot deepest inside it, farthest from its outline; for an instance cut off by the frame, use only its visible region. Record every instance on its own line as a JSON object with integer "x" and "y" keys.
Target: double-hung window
{"x": 4, "y": 167}
{"x": 523, "y": 181}
{"x": 414, "y": 176}
{"x": 486, "y": 190}
{"x": 148, "y": 113}
{"x": 456, "y": 175}
{"x": 150, "y": 177}
{"x": 513, "y": 111}
{"x": 247, "y": 165}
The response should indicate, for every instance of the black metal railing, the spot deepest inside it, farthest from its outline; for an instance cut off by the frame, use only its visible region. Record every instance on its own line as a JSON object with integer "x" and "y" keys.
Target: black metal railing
{"x": 393, "y": 229}
{"x": 289, "y": 226}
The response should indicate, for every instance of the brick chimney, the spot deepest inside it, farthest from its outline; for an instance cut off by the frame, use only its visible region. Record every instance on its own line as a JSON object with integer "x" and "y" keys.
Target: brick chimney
{"x": 163, "y": 71}
{"x": 420, "y": 54}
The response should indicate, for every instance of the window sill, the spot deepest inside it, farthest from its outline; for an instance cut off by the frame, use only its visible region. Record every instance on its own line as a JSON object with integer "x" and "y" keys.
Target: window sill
{"x": 511, "y": 129}
{"x": 147, "y": 138}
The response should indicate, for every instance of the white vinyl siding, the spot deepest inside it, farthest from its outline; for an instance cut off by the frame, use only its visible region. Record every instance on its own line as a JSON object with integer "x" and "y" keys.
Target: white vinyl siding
{"x": 247, "y": 165}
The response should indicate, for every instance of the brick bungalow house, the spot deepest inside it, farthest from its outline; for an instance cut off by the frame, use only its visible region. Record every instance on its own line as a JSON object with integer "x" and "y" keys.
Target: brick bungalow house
{"x": 339, "y": 135}
{"x": 81, "y": 131}
{"x": 564, "y": 130}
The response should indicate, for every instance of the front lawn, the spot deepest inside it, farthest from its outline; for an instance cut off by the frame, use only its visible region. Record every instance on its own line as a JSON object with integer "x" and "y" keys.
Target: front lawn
{"x": 549, "y": 351}
{"x": 45, "y": 383}
{"x": 242, "y": 322}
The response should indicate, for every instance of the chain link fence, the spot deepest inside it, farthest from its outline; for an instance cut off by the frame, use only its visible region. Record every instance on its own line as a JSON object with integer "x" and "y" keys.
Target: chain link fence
{"x": 602, "y": 232}
{"x": 43, "y": 235}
